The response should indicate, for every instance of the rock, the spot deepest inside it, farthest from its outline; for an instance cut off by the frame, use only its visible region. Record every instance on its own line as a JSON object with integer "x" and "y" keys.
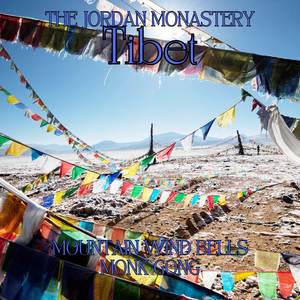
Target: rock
{"x": 206, "y": 217}
{"x": 191, "y": 227}
{"x": 217, "y": 211}
{"x": 198, "y": 220}
{"x": 287, "y": 199}
{"x": 181, "y": 233}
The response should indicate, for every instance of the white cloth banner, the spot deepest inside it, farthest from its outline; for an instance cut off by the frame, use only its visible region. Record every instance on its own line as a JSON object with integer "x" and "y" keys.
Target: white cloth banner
{"x": 295, "y": 270}
{"x": 98, "y": 186}
{"x": 164, "y": 197}
{"x": 281, "y": 135}
{"x": 115, "y": 186}
{"x": 48, "y": 163}
{"x": 188, "y": 142}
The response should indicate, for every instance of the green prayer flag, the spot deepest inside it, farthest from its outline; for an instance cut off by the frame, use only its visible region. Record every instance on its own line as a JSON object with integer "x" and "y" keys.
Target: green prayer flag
{"x": 179, "y": 197}
{"x": 131, "y": 235}
{"x": 7, "y": 93}
{"x": 71, "y": 191}
{"x": 3, "y": 140}
{"x": 76, "y": 172}
{"x": 136, "y": 191}
{"x": 147, "y": 161}
{"x": 216, "y": 199}
{"x": 43, "y": 123}
{"x": 245, "y": 94}
{"x": 267, "y": 283}
{"x": 126, "y": 291}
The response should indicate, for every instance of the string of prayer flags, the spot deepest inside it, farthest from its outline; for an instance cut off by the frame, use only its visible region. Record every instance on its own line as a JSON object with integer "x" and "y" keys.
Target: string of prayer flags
{"x": 286, "y": 283}
{"x": 267, "y": 283}
{"x": 164, "y": 154}
{"x": 227, "y": 281}
{"x": 267, "y": 261}
{"x": 227, "y": 117}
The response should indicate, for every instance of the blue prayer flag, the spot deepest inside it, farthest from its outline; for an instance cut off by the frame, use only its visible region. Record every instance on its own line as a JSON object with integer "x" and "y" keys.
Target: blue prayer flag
{"x": 205, "y": 129}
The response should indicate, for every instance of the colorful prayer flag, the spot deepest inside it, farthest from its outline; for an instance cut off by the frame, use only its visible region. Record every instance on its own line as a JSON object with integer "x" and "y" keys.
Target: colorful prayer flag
{"x": 136, "y": 191}
{"x": 65, "y": 168}
{"x": 286, "y": 283}
{"x": 267, "y": 261}
{"x": 179, "y": 197}
{"x": 35, "y": 154}
{"x": 267, "y": 283}
{"x": 48, "y": 201}
{"x": 227, "y": 117}
{"x": 3, "y": 140}
{"x": 58, "y": 197}
{"x": 90, "y": 177}
{"x": 125, "y": 187}
{"x": 154, "y": 195}
{"x": 16, "y": 149}
{"x": 194, "y": 200}
{"x": 206, "y": 128}
{"x": 76, "y": 172}
{"x": 187, "y": 142}
{"x": 165, "y": 153}
{"x": 131, "y": 170}
{"x": 238, "y": 276}
{"x": 227, "y": 281}
{"x": 146, "y": 194}
{"x": 12, "y": 100}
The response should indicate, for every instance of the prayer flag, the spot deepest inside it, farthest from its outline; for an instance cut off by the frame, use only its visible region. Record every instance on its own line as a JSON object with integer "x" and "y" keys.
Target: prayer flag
{"x": 58, "y": 197}
{"x": 85, "y": 189}
{"x": 48, "y": 201}
{"x": 136, "y": 191}
{"x": 90, "y": 177}
{"x": 57, "y": 132}
{"x": 202, "y": 201}
{"x": 48, "y": 163}
{"x": 267, "y": 283}
{"x": 293, "y": 260}
{"x": 16, "y": 149}
{"x": 238, "y": 276}
{"x": 187, "y": 142}
{"x": 115, "y": 186}
{"x": 125, "y": 187}
{"x": 286, "y": 283}
{"x": 131, "y": 170}
{"x": 210, "y": 201}
{"x": 227, "y": 117}
{"x": 154, "y": 195}
{"x": 222, "y": 200}
{"x": 113, "y": 177}
{"x": 245, "y": 94}
{"x": 44, "y": 123}
{"x": 76, "y": 172}
{"x": 3, "y": 140}
{"x": 147, "y": 161}
{"x": 227, "y": 281}
{"x": 206, "y": 128}
{"x": 209, "y": 278}
{"x": 194, "y": 200}
{"x": 146, "y": 194}
{"x": 71, "y": 191}
{"x": 267, "y": 261}
{"x": 187, "y": 200}
{"x": 164, "y": 197}
{"x": 35, "y": 154}
{"x": 21, "y": 105}
{"x": 179, "y": 197}
{"x": 98, "y": 186}
{"x": 165, "y": 153}
{"x": 36, "y": 117}
{"x": 12, "y": 100}
{"x": 65, "y": 168}
{"x": 171, "y": 196}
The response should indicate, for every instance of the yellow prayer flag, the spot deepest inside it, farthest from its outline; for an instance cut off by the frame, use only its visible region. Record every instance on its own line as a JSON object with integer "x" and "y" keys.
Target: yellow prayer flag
{"x": 267, "y": 261}
{"x": 147, "y": 180}
{"x": 227, "y": 117}
{"x": 44, "y": 178}
{"x": 16, "y": 149}
{"x": 238, "y": 276}
{"x": 58, "y": 197}
{"x": 146, "y": 194}
{"x": 90, "y": 177}
{"x": 50, "y": 128}
{"x": 12, "y": 100}
{"x": 222, "y": 200}
{"x": 187, "y": 200}
{"x": 239, "y": 195}
{"x": 131, "y": 170}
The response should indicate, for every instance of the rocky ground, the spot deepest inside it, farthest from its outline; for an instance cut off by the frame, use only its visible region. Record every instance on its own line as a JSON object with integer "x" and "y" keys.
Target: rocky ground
{"x": 269, "y": 219}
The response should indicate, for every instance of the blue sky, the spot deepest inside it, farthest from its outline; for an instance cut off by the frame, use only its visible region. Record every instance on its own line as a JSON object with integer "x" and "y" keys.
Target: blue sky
{"x": 123, "y": 108}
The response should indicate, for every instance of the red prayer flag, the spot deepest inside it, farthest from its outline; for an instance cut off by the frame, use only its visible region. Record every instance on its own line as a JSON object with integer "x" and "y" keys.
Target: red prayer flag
{"x": 117, "y": 235}
{"x": 125, "y": 187}
{"x": 85, "y": 189}
{"x": 70, "y": 141}
{"x": 4, "y": 54}
{"x": 286, "y": 283}
{"x": 171, "y": 196}
{"x": 36, "y": 117}
{"x": 210, "y": 200}
{"x": 165, "y": 154}
{"x": 65, "y": 168}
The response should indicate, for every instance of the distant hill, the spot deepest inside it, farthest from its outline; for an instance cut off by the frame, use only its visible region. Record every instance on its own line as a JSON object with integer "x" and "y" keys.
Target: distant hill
{"x": 160, "y": 140}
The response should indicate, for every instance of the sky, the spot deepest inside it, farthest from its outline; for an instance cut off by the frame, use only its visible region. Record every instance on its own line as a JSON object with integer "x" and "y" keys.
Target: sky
{"x": 101, "y": 102}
